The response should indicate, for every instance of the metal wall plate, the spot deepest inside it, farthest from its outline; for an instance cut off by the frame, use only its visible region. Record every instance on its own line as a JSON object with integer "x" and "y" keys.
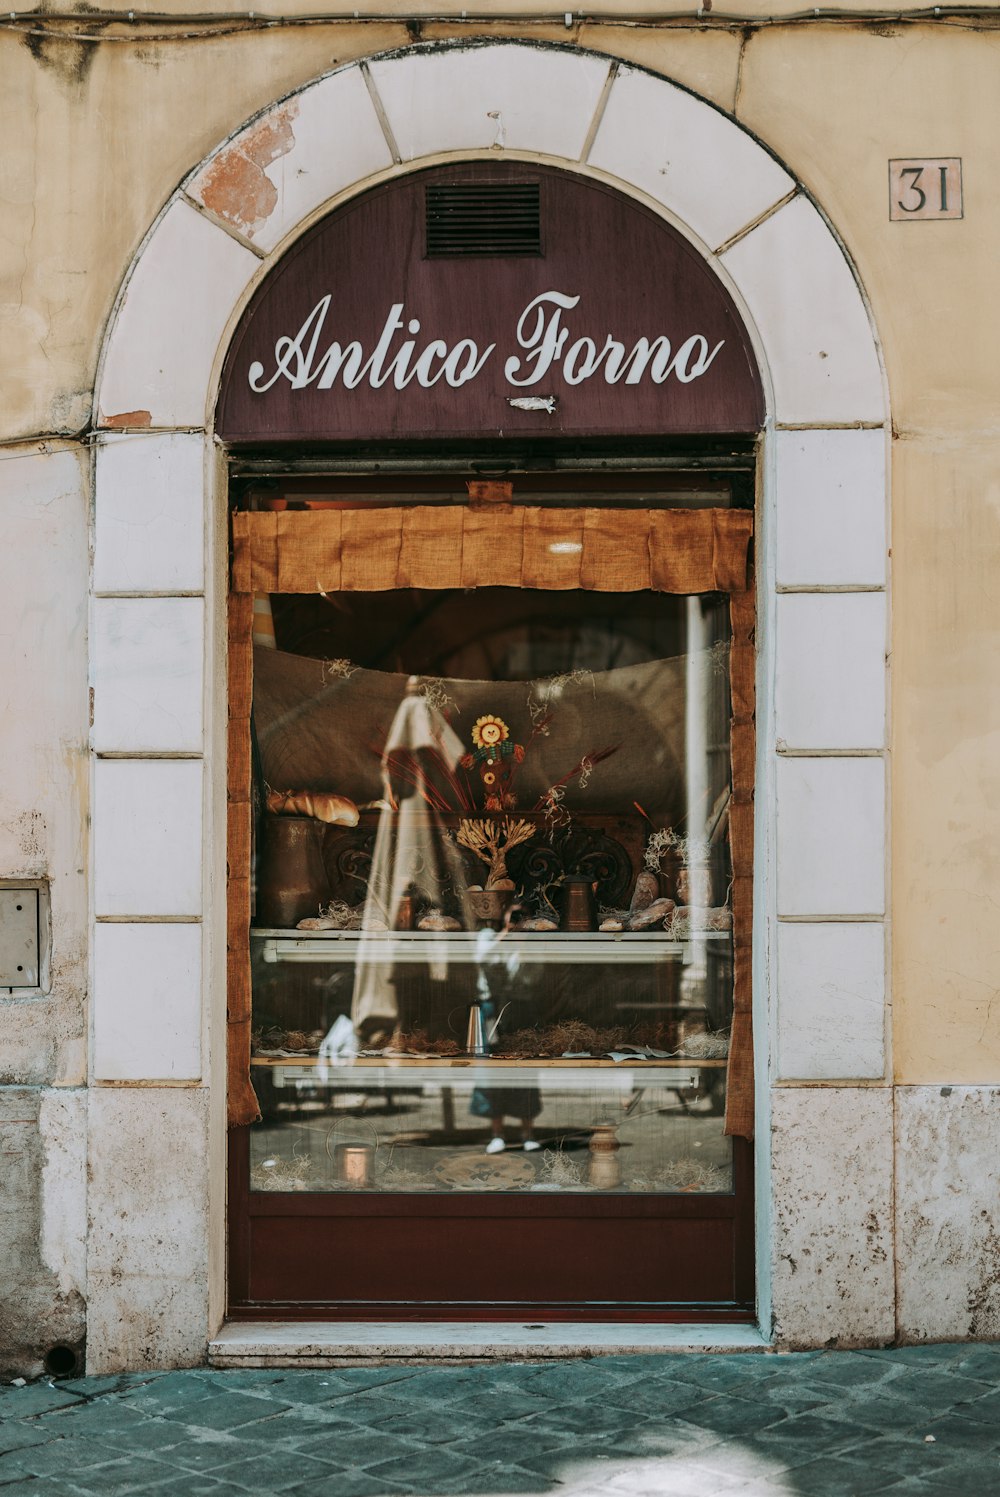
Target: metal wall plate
{"x": 20, "y": 937}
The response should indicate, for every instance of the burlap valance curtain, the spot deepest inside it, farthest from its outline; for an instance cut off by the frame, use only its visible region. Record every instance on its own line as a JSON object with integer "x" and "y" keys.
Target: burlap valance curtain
{"x": 374, "y": 550}
{"x": 371, "y": 550}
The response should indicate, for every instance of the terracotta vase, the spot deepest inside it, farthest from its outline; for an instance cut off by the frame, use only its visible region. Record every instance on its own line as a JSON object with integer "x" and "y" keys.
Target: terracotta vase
{"x": 292, "y": 881}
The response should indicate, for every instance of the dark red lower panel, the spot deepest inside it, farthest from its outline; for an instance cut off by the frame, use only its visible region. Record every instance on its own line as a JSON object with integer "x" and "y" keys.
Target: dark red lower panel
{"x": 493, "y": 1260}
{"x": 491, "y": 1257}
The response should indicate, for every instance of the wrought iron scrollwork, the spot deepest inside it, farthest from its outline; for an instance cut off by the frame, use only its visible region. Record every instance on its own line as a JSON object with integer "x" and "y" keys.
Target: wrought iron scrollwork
{"x": 537, "y": 866}
{"x": 348, "y": 859}
{"x": 575, "y": 850}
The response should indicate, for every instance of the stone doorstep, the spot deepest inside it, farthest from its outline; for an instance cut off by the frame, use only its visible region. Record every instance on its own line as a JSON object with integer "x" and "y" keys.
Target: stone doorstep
{"x": 276, "y": 1343}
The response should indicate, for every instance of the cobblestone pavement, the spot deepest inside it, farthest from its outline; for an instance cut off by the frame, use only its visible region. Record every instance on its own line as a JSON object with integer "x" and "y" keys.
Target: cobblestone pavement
{"x": 817, "y": 1424}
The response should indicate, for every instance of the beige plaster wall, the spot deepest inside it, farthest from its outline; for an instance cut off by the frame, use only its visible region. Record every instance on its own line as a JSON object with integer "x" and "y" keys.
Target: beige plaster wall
{"x": 97, "y": 135}
{"x": 836, "y": 125}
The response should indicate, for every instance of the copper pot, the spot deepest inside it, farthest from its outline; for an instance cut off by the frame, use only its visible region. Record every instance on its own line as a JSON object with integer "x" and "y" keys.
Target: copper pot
{"x": 579, "y": 907}
{"x": 354, "y": 1164}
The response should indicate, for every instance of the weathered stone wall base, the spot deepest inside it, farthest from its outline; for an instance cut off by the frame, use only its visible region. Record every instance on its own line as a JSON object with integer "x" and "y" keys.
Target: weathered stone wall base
{"x": 948, "y": 1212}
{"x": 148, "y": 1229}
{"x": 42, "y": 1226}
{"x": 832, "y": 1238}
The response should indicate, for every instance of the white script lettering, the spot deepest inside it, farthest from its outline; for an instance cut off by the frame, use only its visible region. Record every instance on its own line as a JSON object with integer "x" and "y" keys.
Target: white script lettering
{"x": 539, "y": 332}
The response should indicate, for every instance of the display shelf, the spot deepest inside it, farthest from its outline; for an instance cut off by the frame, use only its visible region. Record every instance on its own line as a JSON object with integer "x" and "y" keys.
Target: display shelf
{"x": 464, "y": 1063}
{"x": 624, "y": 1076}
{"x": 421, "y": 946}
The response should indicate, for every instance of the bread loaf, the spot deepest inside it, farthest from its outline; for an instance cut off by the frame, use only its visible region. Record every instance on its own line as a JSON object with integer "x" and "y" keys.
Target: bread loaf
{"x": 336, "y": 810}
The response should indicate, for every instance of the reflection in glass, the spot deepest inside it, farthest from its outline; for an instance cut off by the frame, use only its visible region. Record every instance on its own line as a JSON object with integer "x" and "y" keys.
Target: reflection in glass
{"x": 492, "y": 943}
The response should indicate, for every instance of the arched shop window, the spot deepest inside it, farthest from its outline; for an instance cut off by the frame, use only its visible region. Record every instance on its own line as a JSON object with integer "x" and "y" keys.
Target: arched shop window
{"x": 491, "y": 435}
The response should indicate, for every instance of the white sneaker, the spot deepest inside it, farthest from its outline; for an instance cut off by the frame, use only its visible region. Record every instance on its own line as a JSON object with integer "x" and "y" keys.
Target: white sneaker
{"x": 530, "y": 1145}
{"x": 496, "y": 1146}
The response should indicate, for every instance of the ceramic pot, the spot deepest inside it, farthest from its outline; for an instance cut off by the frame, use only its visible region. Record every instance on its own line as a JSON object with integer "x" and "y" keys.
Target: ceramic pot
{"x": 490, "y": 905}
{"x": 291, "y": 881}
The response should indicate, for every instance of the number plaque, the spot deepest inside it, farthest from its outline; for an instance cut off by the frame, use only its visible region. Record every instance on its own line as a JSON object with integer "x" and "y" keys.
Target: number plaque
{"x": 925, "y": 188}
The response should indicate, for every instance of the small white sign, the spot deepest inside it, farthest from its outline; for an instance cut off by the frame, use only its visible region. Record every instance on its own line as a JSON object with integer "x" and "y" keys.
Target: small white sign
{"x": 924, "y": 188}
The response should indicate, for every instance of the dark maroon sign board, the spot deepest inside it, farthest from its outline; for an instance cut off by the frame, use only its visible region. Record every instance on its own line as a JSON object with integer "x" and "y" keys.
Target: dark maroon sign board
{"x": 614, "y": 326}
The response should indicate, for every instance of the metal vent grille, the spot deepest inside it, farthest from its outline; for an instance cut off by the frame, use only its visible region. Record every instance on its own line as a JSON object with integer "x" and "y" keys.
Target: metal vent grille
{"x": 483, "y": 218}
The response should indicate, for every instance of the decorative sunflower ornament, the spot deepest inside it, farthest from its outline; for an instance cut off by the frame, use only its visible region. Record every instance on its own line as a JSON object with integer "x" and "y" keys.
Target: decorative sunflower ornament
{"x": 496, "y": 757}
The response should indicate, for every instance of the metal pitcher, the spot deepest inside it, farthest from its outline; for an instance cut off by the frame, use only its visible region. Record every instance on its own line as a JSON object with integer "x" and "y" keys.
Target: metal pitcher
{"x": 475, "y": 1039}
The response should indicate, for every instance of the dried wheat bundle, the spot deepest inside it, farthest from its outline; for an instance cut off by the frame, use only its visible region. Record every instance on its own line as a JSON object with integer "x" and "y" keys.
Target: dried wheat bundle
{"x": 557, "y": 1169}
{"x": 281, "y": 1174}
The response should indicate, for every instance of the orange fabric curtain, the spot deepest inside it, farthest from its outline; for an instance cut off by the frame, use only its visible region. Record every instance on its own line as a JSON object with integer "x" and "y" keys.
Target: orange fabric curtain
{"x": 373, "y": 550}
{"x": 493, "y": 545}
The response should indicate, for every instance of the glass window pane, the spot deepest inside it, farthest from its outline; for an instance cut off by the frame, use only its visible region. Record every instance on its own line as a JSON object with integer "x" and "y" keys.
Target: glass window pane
{"x": 492, "y": 944}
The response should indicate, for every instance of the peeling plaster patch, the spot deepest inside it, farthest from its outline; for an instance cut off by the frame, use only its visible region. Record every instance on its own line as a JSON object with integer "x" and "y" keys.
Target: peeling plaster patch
{"x": 128, "y": 419}
{"x": 235, "y": 186}
{"x": 70, "y": 411}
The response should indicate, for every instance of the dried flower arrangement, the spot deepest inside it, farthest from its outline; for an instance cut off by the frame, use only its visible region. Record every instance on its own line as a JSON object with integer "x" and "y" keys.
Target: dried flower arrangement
{"x": 494, "y": 754}
{"x": 491, "y": 841}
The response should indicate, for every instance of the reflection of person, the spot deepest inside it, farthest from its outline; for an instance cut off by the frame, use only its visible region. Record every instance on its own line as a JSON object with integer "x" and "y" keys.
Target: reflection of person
{"x": 414, "y": 859}
{"x": 497, "y": 1103}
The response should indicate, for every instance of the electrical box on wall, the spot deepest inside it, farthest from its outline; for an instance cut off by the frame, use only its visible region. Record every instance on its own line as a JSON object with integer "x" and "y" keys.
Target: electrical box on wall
{"x": 24, "y": 928}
